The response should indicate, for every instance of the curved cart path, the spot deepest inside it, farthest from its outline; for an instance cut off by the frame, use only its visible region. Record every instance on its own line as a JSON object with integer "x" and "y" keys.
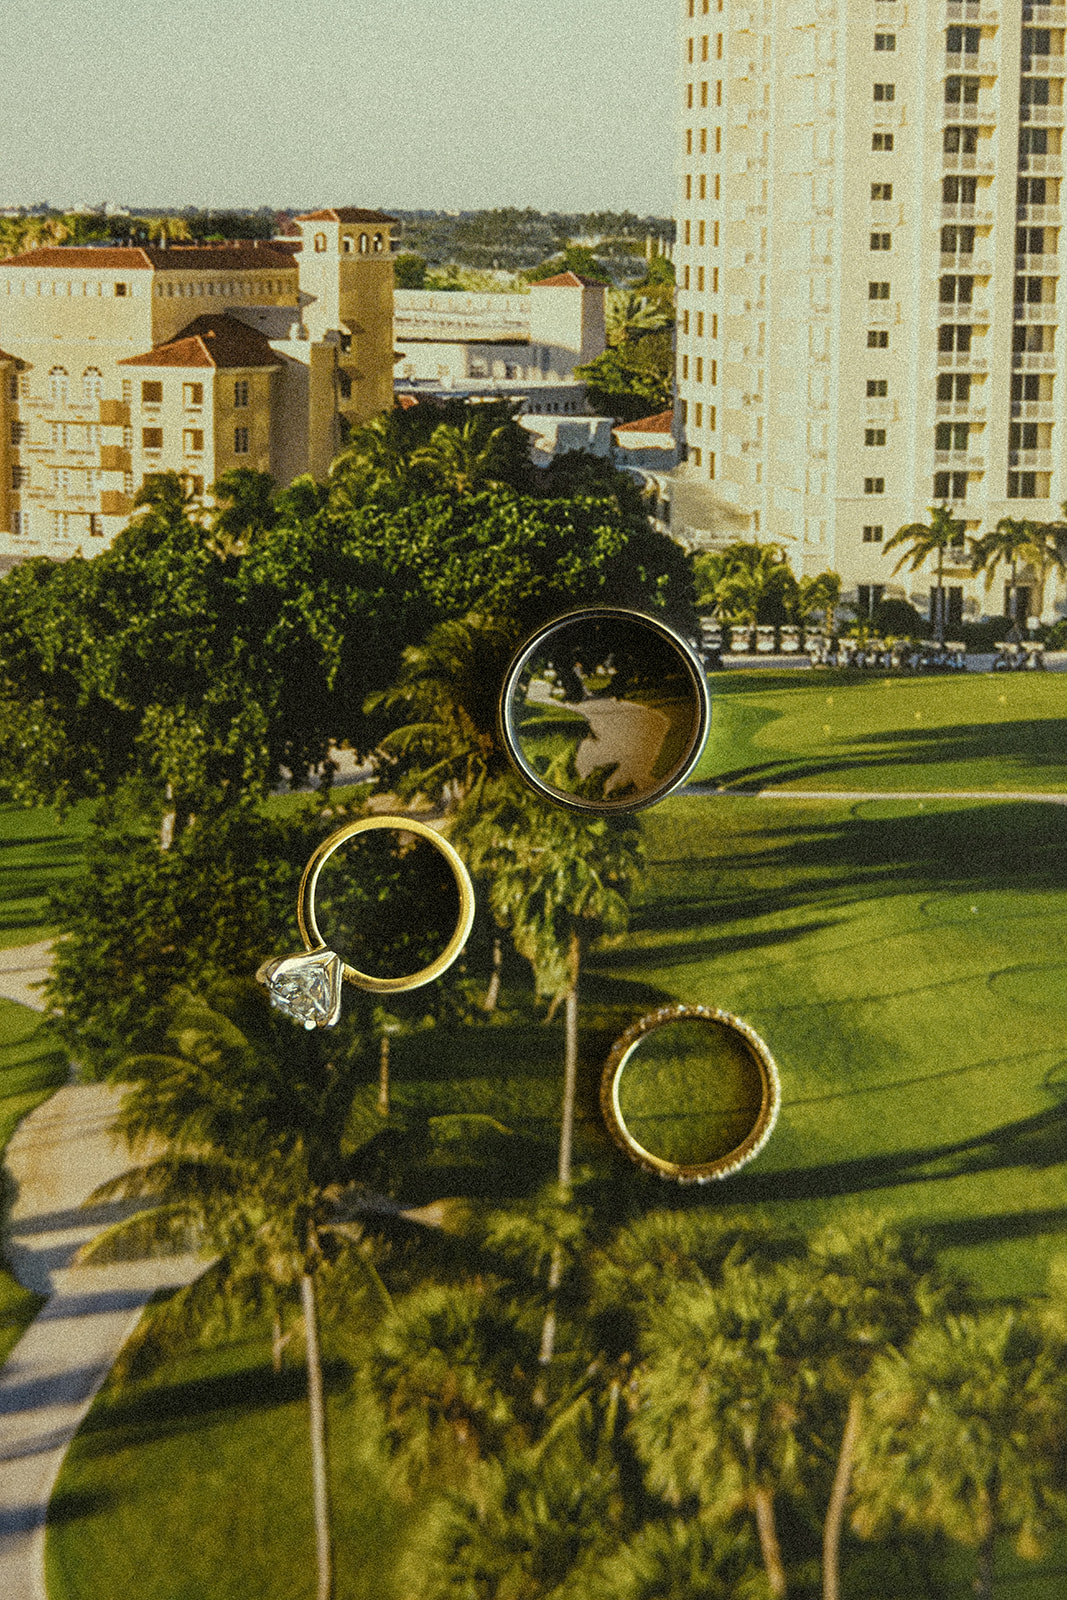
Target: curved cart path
{"x": 55, "y": 1159}
{"x": 622, "y": 731}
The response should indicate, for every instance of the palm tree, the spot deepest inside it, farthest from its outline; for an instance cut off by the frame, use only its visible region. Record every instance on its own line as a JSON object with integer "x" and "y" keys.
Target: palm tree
{"x": 1013, "y": 541}
{"x": 241, "y": 1134}
{"x": 966, "y": 1437}
{"x": 244, "y": 507}
{"x": 446, "y": 692}
{"x": 477, "y": 453}
{"x": 556, "y": 881}
{"x": 631, "y": 313}
{"x": 720, "y": 1390}
{"x": 862, "y": 1288}
{"x": 820, "y": 594}
{"x": 375, "y": 466}
{"x": 923, "y": 540}
{"x": 746, "y": 583}
{"x": 167, "y": 228}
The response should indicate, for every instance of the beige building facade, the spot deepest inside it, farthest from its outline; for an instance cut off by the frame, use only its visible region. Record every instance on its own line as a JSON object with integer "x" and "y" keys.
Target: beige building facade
{"x": 869, "y": 321}
{"x": 116, "y": 363}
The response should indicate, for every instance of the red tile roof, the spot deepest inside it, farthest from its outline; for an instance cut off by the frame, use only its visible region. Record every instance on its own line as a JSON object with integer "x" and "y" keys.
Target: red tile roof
{"x": 211, "y": 341}
{"x": 242, "y": 257}
{"x": 4, "y": 356}
{"x": 345, "y": 214}
{"x": 568, "y": 280}
{"x": 662, "y": 422}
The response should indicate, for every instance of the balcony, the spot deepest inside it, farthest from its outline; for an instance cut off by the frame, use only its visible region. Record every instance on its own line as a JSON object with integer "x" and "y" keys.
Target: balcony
{"x": 983, "y": 65}
{"x": 1033, "y": 361}
{"x": 960, "y": 460}
{"x": 961, "y": 211}
{"x": 960, "y": 161}
{"x": 113, "y": 458}
{"x": 1043, "y": 66}
{"x": 1043, "y": 313}
{"x": 957, "y": 558}
{"x": 1048, "y": 114}
{"x": 879, "y": 410}
{"x": 114, "y": 413}
{"x": 967, "y": 410}
{"x": 960, "y": 361}
{"x": 976, "y": 266}
{"x": 1056, "y": 16}
{"x": 1050, "y": 165}
{"x": 1034, "y": 410}
{"x": 883, "y": 313}
{"x": 1038, "y": 214}
{"x": 971, "y": 11}
{"x": 1046, "y": 263}
{"x": 954, "y": 311}
{"x": 1039, "y": 460}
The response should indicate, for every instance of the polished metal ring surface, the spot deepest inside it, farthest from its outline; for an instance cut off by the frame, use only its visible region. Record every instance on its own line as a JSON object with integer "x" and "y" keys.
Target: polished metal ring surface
{"x": 307, "y": 986}
{"x": 760, "y": 1117}
{"x": 605, "y": 709}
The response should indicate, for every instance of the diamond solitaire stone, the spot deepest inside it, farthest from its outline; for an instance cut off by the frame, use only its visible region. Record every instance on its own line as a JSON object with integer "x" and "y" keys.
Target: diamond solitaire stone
{"x": 307, "y": 987}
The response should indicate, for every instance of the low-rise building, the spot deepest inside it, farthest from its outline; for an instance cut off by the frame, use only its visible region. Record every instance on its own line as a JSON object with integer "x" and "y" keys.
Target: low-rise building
{"x": 119, "y": 362}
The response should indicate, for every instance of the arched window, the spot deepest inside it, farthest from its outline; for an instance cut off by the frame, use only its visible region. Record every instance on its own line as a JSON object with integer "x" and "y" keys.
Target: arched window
{"x": 346, "y": 244}
{"x": 320, "y": 242}
{"x": 364, "y": 244}
{"x": 57, "y": 386}
{"x": 92, "y": 384}
{"x": 377, "y": 243}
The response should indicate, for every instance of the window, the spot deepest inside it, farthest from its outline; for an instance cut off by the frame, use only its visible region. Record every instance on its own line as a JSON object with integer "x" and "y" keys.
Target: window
{"x": 703, "y": 94}
{"x": 881, "y": 191}
{"x": 881, "y": 141}
{"x": 694, "y": 456}
{"x": 700, "y": 369}
{"x": 18, "y": 432}
{"x": 957, "y": 290}
{"x": 957, "y": 241}
{"x": 121, "y": 290}
{"x": 13, "y": 387}
{"x": 320, "y": 243}
{"x": 1031, "y": 192}
{"x": 961, "y": 91}
{"x": 193, "y": 441}
{"x": 956, "y": 190}
{"x": 1024, "y": 436}
{"x": 961, "y": 141}
{"x": 874, "y": 436}
{"x": 950, "y": 485}
{"x": 872, "y": 533}
{"x": 240, "y": 392}
{"x": 954, "y": 386}
{"x": 951, "y": 435}
{"x": 700, "y": 280}
{"x": 57, "y": 386}
{"x": 881, "y": 241}
{"x": 1032, "y": 92}
{"x": 20, "y": 477}
{"x": 964, "y": 41}
{"x": 868, "y": 597}
{"x": 874, "y": 486}
{"x": 877, "y": 388}
{"x": 151, "y": 438}
{"x": 96, "y": 525}
{"x": 92, "y": 384}
{"x": 1030, "y": 291}
{"x": 703, "y": 140}
{"x": 1033, "y": 141}
{"x": 685, "y": 321}
{"x": 346, "y": 244}
{"x": 344, "y": 385}
{"x": 193, "y": 485}
{"x": 378, "y": 243}
{"x": 151, "y": 394}
{"x": 954, "y": 336}
{"x": 1025, "y": 386}
{"x": 240, "y": 441}
{"x": 1022, "y": 485}
{"x": 688, "y": 101}
{"x": 885, "y": 41}
{"x": 700, "y": 324}
{"x": 1036, "y": 42}
{"x": 885, "y": 91}
{"x": 1031, "y": 337}
{"x": 689, "y": 141}
{"x": 192, "y": 396}
{"x": 20, "y": 522}
{"x": 877, "y": 338}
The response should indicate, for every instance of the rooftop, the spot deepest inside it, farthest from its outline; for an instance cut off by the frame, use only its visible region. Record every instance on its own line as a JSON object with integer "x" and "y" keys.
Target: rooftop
{"x": 211, "y": 341}
{"x": 248, "y": 255}
{"x": 345, "y": 214}
{"x": 569, "y": 280}
{"x": 661, "y": 422}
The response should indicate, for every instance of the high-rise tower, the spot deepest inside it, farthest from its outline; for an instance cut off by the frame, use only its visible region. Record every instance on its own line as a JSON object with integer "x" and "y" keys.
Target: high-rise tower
{"x": 868, "y": 262}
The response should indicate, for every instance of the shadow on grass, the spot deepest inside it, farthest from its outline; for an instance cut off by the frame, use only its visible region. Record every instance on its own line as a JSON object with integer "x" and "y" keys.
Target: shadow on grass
{"x": 1037, "y": 1142}
{"x": 140, "y": 1414}
{"x": 69, "y": 1506}
{"x": 1029, "y": 745}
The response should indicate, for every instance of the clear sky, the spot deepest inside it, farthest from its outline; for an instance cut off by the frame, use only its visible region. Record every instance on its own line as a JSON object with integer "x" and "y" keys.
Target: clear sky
{"x": 449, "y": 104}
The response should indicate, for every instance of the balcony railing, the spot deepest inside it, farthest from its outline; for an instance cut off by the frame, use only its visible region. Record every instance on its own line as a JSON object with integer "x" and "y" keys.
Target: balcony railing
{"x": 1034, "y": 410}
{"x": 1044, "y": 312}
{"x": 982, "y": 65}
{"x": 1042, "y": 460}
{"x": 1043, "y": 66}
{"x": 1049, "y": 114}
{"x": 1056, "y": 15}
{"x": 963, "y": 211}
{"x": 963, "y": 161}
{"x": 961, "y": 361}
{"x": 971, "y": 11}
{"x": 1037, "y": 214}
{"x": 966, "y": 409}
{"x": 1033, "y": 360}
{"x": 976, "y": 266}
{"x": 1050, "y": 165}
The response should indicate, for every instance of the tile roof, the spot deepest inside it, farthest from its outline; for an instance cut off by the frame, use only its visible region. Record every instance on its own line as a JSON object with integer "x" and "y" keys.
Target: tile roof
{"x": 4, "y": 356}
{"x": 568, "y": 280}
{"x": 215, "y": 340}
{"x": 662, "y": 422}
{"x": 345, "y": 214}
{"x": 242, "y": 257}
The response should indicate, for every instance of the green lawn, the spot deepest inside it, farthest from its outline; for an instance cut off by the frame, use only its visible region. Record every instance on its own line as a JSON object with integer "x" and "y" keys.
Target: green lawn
{"x": 906, "y": 962}
{"x": 37, "y": 853}
{"x": 836, "y": 730}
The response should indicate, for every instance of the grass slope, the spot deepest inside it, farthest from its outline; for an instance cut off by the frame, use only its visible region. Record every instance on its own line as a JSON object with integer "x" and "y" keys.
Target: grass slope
{"x": 905, "y": 960}
{"x": 838, "y": 730}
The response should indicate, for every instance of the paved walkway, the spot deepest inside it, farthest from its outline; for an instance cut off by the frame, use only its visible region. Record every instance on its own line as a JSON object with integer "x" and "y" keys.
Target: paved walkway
{"x": 55, "y": 1159}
